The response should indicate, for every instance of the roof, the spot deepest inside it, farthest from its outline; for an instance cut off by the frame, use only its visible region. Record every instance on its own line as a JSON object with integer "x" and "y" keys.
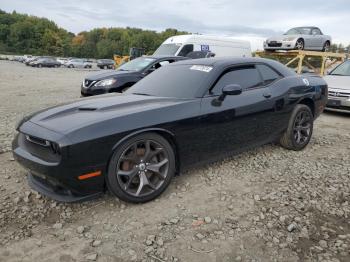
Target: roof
{"x": 165, "y": 57}
{"x": 217, "y": 61}
{"x": 186, "y": 38}
{"x": 220, "y": 62}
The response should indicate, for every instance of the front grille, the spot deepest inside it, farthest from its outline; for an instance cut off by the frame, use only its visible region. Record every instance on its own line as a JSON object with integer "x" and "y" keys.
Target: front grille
{"x": 40, "y": 148}
{"x": 274, "y": 44}
{"x": 338, "y": 94}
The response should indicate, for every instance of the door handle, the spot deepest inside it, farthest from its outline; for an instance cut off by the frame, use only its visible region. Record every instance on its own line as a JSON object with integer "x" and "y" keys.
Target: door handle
{"x": 267, "y": 95}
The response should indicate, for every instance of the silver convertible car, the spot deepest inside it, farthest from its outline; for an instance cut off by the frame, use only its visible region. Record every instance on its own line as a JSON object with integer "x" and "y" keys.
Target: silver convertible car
{"x": 299, "y": 38}
{"x": 339, "y": 88}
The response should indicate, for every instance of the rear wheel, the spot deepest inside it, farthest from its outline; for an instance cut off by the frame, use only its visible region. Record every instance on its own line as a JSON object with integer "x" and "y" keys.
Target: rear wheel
{"x": 141, "y": 168}
{"x": 299, "y": 45}
{"x": 300, "y": 127}
{"x": 70, "y": 66}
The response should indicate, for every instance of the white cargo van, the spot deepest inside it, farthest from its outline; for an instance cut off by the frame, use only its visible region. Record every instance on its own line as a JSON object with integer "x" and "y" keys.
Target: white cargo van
{"x": 181, "y": 45}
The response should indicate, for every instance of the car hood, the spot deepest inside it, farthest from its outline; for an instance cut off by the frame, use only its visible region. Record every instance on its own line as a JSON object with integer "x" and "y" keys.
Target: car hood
{"x": 338, "y": 82}
{"x": 117, "y": 113}
{"x": 109, "y": 74}
{"x": 281, "y": 37}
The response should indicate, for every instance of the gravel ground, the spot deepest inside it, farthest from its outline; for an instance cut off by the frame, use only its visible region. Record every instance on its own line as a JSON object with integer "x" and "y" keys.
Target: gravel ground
{"x": 268, "y": 204}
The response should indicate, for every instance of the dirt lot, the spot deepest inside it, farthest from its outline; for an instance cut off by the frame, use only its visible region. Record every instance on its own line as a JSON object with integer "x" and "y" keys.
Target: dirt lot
{"x": 268, "y": 204}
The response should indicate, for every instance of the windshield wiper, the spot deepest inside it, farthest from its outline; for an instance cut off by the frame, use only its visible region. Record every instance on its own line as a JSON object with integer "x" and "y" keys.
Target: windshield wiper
{"x": 121, "y": 69}
{"x": 141, "y": 94}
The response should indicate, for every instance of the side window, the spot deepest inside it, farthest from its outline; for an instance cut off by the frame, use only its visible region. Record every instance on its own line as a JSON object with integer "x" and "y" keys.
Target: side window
{"x": 246, "y": 77}
{"x": 316, "y": 31}
{"x": 268, "y": 74}
{"x": 185, "y": 50}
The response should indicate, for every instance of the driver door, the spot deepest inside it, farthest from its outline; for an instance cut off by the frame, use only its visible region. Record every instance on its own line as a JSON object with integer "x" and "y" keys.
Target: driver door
{"x": 238, "y": 122}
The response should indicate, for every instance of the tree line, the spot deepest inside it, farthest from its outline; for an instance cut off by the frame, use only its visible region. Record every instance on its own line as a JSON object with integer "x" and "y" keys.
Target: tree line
{"x": 26, "y": 34}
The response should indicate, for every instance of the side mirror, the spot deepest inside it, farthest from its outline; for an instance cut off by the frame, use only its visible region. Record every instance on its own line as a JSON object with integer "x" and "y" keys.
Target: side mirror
{"x": 229, "y": 90}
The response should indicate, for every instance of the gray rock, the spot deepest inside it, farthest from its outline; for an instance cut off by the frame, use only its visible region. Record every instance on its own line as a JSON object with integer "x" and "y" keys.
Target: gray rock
{"x": 57, "y": 226}
{"x": 80, "y": 229}
{"x": 91, "y": 257}
{"x": 96, "y": 243}
{"x": 207, "y": 220}
{"x": 200, "y": 236}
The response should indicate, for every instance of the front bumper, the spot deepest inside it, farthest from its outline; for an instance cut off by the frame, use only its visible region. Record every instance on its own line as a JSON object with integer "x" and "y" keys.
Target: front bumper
{"x": 57, "y": 177}
{"x": 338, "y": 100}
{"x": 338, "y": 104}
{"x": 279, "y": 45}
{"x": 56, "y": 191}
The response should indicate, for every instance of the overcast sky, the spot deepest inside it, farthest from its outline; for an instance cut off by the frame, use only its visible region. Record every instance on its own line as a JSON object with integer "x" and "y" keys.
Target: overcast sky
{"x": 250, "y": 19}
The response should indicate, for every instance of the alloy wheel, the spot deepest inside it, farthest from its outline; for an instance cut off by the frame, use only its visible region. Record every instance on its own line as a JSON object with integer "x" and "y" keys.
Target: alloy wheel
{"x": 299, "y": 44}
{"x": 302, "y": 127}
{"x": 142, "y": 168}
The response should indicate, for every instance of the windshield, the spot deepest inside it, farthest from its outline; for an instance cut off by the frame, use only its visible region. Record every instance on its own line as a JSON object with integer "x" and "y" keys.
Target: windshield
{"x": 343, "y": 69}
{"x": 136, "y": 64}
{"x": 299, "y": 31}
{"x": 167, "y": 49}
{"x": 180, "y": 81}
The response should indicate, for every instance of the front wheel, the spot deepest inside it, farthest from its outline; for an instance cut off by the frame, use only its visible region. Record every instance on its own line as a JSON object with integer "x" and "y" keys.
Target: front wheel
{"x": 141, "y": 168}
{"x": 300, "y": 127}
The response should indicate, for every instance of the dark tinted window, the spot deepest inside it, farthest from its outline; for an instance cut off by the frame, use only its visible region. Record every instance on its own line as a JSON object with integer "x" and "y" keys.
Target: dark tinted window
{"x": 268, "y": 74}
{"x": 246, "y": 77}
{"x": 185, "y": 50}
{"x": 181, "y": 81}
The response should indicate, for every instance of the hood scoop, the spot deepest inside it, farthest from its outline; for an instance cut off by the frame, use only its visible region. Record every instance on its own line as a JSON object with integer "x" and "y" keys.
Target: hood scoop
{"x": 87, "y": 108}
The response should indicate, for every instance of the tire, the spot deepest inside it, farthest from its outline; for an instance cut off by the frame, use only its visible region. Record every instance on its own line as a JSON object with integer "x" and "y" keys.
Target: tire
{"x": 40, "y": 65}
{"x": 326, "y": 46}
{"x": 71, "y": 66}
{"x": 300, "y": 44}
{"x": 132, "y": 161}
{"x": 295, "y": 129}
{"x": 105, "y": 67}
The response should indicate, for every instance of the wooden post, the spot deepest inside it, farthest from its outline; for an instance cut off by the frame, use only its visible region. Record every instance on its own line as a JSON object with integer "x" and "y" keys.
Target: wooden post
{"x": 300, "y": 63}
{"x": 323, "y": 66}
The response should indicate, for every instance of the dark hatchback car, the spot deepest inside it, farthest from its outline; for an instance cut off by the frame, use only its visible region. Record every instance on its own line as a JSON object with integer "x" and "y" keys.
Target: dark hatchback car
{"x": 125, "y": 76}
{"x": 182, "y": 115}
{"x": 45, "y": 62}
{"x": 105, "y": 63}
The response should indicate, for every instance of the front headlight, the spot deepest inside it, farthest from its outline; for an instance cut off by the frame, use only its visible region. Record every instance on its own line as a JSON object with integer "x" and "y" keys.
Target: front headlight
{"x": 106, "y": 82}
{"x": 290, "y": 38}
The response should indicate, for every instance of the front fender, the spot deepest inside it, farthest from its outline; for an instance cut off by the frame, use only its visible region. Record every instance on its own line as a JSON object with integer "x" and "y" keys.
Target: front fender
{"x": 139, "y": 132}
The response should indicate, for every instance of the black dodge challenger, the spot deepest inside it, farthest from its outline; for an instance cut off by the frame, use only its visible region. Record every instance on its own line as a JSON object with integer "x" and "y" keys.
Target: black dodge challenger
{"x": 182, "y": 115}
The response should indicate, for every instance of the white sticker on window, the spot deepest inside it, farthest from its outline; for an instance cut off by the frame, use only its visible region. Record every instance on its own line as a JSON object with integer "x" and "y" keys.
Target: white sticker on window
{"x": 202, "y": 68}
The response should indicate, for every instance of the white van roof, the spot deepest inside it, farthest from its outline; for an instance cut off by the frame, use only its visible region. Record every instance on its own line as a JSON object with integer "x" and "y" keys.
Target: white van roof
{"x": 188, "y": 38}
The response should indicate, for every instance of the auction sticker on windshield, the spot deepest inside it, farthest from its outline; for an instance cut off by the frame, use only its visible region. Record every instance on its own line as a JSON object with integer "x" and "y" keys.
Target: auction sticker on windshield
{"x": 202, "y": 68}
